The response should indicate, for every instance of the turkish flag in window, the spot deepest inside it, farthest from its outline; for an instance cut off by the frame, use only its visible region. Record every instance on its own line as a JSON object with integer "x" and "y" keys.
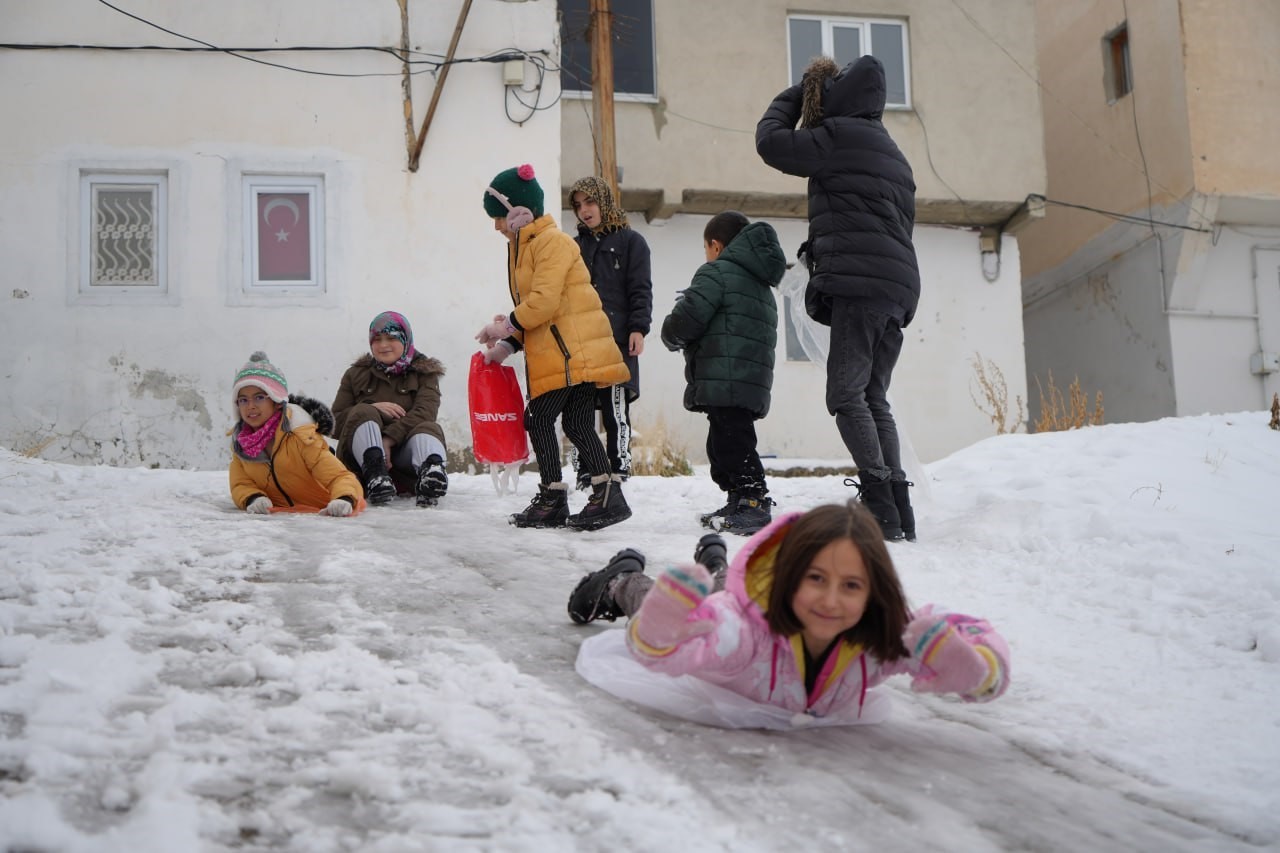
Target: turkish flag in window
{"x": 284, "y": 237}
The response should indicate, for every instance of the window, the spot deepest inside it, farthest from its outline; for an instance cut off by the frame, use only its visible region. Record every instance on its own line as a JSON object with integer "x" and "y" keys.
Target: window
{"x": 633, "y": 62}
{"x": 123, "y": 233}
{"x": 1119, "y": 72}
{"x": 284, "y": 234}
{"x": 844, "y": 40}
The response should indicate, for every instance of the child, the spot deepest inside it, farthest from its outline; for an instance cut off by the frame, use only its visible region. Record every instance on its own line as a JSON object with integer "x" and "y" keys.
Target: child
{"x": 618, "y": 260}
{"x": 386, "y": 411}
{"x": 727, "y": 324}
{"x": 569, "y": 351}
{"x": 864, "y": 282}
{"x": 808, "y": 617}
{"x": 279, "y": 457}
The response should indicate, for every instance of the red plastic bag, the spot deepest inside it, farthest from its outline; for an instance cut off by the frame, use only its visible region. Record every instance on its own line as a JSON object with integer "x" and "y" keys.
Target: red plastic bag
{"x": 497, "y": 413}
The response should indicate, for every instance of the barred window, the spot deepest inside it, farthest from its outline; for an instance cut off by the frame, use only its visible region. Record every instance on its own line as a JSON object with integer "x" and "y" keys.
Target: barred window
{"x": 125, "y": 232}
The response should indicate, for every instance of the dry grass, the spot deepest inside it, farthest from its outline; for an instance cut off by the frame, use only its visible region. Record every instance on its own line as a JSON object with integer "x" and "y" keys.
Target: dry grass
{"x": 1059, "y": 412}
{"x": 995, "y": 395}
{"x": 655, "y": 454}
{"x": 1275, "y": 411}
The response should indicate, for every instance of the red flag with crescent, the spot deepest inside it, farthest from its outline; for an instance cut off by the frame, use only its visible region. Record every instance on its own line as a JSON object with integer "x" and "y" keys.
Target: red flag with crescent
{"x": 284, "y": 237}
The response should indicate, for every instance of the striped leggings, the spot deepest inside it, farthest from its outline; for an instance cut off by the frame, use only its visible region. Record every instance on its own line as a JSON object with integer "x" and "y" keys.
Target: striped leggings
{"x": 576, "y": 407}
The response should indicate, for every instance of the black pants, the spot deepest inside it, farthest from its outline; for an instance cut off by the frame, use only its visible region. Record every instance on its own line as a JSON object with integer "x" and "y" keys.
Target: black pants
{"x": 864, "y": 350}
{"x": 731, "y": 449}
{"x": 576, "y": 406}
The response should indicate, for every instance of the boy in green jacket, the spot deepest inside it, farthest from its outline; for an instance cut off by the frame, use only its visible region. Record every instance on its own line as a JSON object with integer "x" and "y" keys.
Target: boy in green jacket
{"x": 727, "y": 324}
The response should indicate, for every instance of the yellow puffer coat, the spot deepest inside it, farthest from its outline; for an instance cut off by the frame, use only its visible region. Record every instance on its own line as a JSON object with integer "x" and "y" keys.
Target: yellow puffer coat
{"x": 566, "y": 335}
{"x": 297, "y": 470}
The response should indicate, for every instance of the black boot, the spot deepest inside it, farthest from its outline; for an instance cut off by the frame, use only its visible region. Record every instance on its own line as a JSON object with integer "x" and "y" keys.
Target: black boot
{"x": 749, "y": 515}
{"x": 433, "y": 482}
{"x": 711, "y": 553}
{"x": 378, "y": 488}
{"x": 590, "y": 599}
{"x": 549, "y": 508}
{"x": 877, "y": 496}
{"x": 729, "y": 507}
{"x": 906, "y": 514}
{"x": 606, "y": 506}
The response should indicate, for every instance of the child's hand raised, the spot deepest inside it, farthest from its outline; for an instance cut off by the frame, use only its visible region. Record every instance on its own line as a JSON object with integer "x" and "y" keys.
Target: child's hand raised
{"x": 662, "y": 622}
{"x": 954, "y": 657}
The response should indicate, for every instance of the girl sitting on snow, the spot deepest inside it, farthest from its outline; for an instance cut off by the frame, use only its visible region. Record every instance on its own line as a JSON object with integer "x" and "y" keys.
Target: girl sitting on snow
{"x": 279, "y": 457}
{"x": 808, "y": 617}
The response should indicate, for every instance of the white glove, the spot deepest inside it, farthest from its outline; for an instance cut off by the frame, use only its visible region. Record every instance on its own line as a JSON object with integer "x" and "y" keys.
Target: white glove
{"x": 498, "y": 353}
{"x": 338, "y": 507}
{"x": 497, "y": 330}
{"x": 261, "y": 505}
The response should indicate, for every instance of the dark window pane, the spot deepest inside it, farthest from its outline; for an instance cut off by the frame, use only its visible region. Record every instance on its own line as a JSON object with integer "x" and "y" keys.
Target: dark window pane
{"x": 633, "y": 71}
{"x": 846, "y": 44}
{"x": 886, "y": 46}
{"x": 806, "y": 43}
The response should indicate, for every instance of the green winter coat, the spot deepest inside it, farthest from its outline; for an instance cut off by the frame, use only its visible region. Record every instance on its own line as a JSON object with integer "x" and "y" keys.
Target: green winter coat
{"x": 727, "y": 324}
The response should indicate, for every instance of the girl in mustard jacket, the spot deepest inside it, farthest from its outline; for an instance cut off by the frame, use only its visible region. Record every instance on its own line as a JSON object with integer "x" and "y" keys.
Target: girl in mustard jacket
{"x": 569, "y": 351}
{"x": 279, "y": 457}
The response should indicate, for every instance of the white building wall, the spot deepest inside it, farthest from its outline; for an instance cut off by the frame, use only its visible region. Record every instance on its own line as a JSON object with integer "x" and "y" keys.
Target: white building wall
{"x": 146, "y": 381}
{"x": 960, "y": 314}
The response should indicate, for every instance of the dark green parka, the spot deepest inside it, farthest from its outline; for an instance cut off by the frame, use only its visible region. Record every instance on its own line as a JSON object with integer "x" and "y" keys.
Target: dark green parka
{"x": 727, "y": 324}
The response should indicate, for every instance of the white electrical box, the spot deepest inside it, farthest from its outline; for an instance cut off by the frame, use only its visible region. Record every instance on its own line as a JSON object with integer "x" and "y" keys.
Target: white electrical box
{"x": 513, "y": 72}
{"x": 1262, "y": 363}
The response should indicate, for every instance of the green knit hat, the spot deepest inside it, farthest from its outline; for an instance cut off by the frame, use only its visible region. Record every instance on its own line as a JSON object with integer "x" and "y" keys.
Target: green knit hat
{"x": 521, "y": 189}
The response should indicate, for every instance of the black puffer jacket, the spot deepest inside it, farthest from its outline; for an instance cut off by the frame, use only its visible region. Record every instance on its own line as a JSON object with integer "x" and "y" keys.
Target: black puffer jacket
{"x": 727, "y": 324}
{"x": 618, "y": 260}
{"x": 861, "y": 193}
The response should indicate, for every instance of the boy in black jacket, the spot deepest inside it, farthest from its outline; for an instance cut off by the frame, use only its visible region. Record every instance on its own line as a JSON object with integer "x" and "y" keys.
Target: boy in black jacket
{"x": 727, "y": 324}
{"x": 864, "y": 282}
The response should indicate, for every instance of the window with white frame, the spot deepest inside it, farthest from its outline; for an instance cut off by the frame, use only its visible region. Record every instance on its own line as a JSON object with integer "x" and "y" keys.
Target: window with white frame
{"x": 632, "y": 44}
{"x": 124, "y": 232}
{"x": 284, "y": 234}
{"x": 845, "y": 39}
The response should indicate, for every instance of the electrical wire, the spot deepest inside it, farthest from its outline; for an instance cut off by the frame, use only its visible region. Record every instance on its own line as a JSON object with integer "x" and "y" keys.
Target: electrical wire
{"x": 1123, "y": 217}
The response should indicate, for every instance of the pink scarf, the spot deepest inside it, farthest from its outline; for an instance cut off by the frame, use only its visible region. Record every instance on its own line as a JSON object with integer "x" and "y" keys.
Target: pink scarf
{"x": 254, "y": 441}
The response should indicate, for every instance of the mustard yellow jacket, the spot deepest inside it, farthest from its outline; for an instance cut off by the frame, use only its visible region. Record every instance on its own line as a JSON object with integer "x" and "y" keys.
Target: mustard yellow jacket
{"x": 297, "y": 470}
{"x": 565, "y": 333}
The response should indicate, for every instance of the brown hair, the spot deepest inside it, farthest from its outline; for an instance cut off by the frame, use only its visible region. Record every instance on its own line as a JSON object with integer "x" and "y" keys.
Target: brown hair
{"x": 885, "y": 620}
{"x": 724, "y": 227}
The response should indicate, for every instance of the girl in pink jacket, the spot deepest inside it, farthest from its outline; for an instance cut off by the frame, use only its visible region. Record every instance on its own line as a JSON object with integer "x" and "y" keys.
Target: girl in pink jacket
{"x": 808, "y": 617}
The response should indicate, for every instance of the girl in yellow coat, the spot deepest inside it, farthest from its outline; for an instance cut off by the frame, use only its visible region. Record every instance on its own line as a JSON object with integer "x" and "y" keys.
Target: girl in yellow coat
{"x": 279, "y": 459}
{"x": 569, "y": 351}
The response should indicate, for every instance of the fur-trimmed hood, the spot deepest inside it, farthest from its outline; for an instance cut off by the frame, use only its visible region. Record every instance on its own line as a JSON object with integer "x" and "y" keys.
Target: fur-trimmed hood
{"x": 856, "y": 91}
{"x": 424, "y": 364}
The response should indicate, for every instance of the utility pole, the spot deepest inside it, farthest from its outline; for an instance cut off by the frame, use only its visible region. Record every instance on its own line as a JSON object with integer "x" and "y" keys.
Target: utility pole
{"x": 602, "y": 94}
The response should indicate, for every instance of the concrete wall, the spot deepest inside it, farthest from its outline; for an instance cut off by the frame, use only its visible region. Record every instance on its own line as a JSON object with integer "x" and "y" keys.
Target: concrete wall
{"x": 133, "y": 381}
{"x": 961, "y": 315}
{"x": 720, "y": 63}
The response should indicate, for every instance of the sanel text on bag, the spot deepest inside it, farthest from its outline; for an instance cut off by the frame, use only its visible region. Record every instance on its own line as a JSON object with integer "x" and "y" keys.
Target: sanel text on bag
{"x": 497, "y": 413}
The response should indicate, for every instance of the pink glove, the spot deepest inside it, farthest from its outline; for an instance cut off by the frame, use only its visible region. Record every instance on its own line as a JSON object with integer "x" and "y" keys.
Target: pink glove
{"x": 498, "y": 353}
{"x": 497, "y": 330}
{"x": 662, "y": 622}
{"x": 957, "y": 654}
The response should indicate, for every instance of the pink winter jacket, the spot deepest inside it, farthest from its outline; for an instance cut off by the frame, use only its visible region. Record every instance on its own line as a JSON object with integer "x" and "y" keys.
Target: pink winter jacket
{"x": 743, "y": 655}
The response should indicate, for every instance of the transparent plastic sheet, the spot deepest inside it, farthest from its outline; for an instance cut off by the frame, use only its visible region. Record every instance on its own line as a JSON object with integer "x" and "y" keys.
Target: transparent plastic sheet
{"x": 815, "y": 340}
{"x": 605, "y": 661}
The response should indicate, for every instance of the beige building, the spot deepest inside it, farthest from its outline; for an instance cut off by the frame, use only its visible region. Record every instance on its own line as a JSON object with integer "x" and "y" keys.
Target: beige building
{"x": 693, "y": 79}
{"x": 1155, "y": 275}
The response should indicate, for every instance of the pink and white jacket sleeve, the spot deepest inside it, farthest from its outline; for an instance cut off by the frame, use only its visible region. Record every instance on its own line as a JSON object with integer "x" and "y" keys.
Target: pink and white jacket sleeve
{"x": 954, "y": 653}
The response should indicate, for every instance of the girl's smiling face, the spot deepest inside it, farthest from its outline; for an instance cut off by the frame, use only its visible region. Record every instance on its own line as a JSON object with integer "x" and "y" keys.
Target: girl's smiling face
{"x": 832, "y": 595}
{"x": 387, "y": 349}
{"x": 255, "y": 407}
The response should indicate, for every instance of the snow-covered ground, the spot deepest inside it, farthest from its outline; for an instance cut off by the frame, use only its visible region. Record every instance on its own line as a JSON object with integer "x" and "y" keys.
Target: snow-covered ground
{"x": 176, "y": 675}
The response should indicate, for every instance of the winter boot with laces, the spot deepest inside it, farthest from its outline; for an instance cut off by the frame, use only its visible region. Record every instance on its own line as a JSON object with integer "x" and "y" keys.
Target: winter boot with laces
{"x": 729, "y": 507}
{"x": 750, "y": 515}
{"x": 906, "y": 515}
{"x": 590, "y": 599}
{"x": 876, "y": 495}
{"x": 433, "y": 482}
{"x": 549, "y": 508}
{"x": 378, "y": 488}
{"x": 606, "y": 506}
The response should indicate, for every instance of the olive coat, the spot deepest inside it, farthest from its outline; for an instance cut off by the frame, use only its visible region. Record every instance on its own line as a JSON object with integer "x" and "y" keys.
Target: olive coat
{"x": 417, "y": 391}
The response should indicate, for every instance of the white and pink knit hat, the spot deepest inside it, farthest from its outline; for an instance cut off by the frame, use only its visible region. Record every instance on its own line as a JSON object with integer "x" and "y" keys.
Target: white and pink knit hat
{"x": 260, "y": 372}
